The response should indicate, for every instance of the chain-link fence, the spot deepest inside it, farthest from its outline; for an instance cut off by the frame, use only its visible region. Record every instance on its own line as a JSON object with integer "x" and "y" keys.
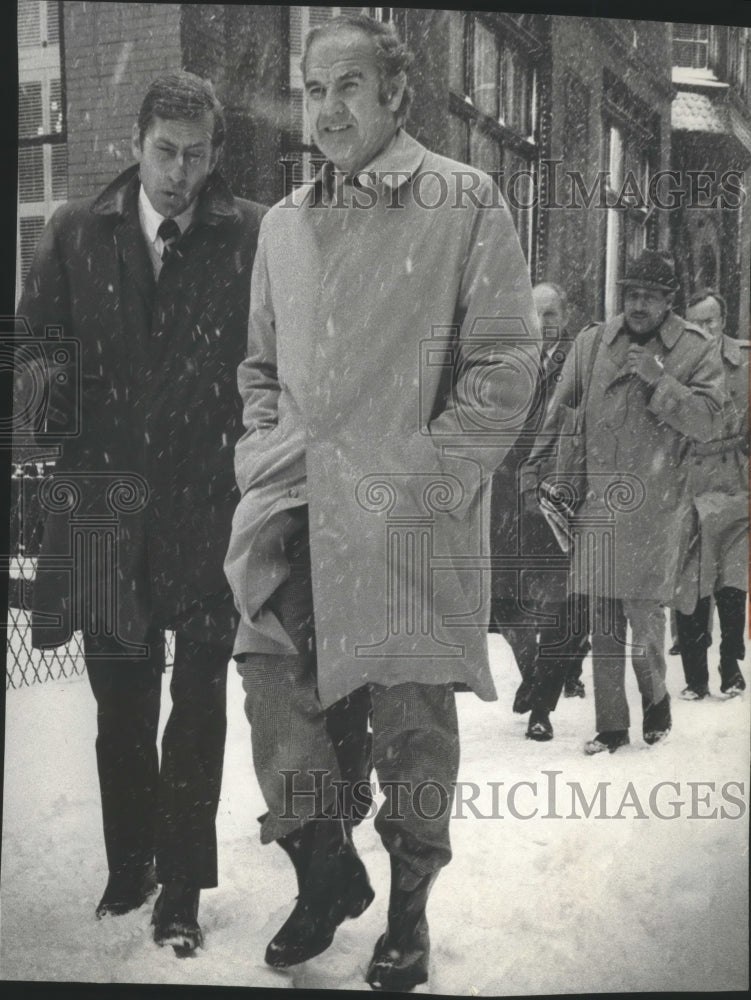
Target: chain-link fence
{"x": 25, "y": 666}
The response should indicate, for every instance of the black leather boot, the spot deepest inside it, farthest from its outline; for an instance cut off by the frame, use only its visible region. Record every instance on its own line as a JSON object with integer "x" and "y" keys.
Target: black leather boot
{"x": 657, "y": 720}
{"x": 400, "y": 959}
{"x": 126, "y": 891}
{"x": 333, "y": 884}
{"x": 175, "y": 917}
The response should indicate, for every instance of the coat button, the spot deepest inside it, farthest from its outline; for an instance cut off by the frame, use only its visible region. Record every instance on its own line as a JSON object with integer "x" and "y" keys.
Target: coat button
{"x": 293, "y": 492}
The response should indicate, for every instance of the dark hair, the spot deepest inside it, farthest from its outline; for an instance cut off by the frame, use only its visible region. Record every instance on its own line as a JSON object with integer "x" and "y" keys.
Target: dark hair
{"x": 558, "y": 290}
{"x": 708, "y": 293}
{"x": 181, "y": 96}
{"x": 392, "y": 55}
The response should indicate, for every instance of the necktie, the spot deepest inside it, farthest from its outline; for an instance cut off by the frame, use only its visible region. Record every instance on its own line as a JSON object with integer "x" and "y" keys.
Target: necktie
{"x": 169, "y": 231}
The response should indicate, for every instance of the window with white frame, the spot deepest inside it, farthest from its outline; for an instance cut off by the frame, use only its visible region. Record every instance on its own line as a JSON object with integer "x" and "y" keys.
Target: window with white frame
{"x": 628, "y": 227}
{"x": 493, "y": 107}
{"x": 42, "y": 152}
{"x": 630, "y": 133}
{"x": 691, "y": 45}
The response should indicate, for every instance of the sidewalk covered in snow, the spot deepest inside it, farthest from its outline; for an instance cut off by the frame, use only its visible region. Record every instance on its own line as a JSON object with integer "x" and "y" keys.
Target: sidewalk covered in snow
{"x": 646, "y": 893}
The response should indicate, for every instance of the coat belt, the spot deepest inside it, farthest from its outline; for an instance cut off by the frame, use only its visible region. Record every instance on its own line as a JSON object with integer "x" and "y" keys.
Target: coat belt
{"x": 720, "y": 446}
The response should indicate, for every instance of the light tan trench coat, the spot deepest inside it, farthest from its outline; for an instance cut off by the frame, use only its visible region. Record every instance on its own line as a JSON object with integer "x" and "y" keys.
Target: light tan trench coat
{"x": 633, "y": 523}
{"x": 716, "y": 555}
{"x": 392, "y": 352}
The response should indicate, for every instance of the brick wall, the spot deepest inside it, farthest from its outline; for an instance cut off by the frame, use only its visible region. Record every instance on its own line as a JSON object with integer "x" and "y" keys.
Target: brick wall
{"x": 112, "y": 51}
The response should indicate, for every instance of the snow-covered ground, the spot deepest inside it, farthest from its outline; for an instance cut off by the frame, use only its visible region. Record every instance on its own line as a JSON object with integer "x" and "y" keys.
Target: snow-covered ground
{"x": 620, "y": 901}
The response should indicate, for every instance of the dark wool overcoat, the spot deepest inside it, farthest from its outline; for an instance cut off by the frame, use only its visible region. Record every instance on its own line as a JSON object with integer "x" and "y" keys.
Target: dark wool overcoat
{"x": 528, "y": 565}
{"x": 154, "y": 412}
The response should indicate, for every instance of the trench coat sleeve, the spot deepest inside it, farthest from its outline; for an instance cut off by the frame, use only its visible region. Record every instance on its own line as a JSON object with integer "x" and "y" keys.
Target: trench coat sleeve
{"x": 257, "y": 374}
{"x": 259, "y": 461}
{"x": 46, "y": 302}
{"x": 495, "y": 315}
{"x": 693, "y": 409}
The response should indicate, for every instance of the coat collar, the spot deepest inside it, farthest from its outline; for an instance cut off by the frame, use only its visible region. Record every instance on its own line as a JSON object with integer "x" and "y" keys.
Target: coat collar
{"x": 669, "y": 332}
{"x": 215, "y": 201}
{"x": 731, "y": 350}
{"x": 391, "y": 168}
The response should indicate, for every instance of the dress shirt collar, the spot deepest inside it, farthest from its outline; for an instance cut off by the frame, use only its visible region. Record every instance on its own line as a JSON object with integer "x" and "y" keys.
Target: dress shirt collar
{"x": 151, "y": 219}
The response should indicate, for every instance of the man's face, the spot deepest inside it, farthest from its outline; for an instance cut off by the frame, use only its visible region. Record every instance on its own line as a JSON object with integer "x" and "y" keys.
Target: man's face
{"x": 645, "y": 308}
{"x": 175, "y": 158}
{"x": 708, "y": 314}
{"x": 550, "y": 312}
{"x": 350, "y": 125}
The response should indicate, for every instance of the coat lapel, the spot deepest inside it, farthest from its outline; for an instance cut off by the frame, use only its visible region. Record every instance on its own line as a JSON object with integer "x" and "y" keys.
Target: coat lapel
{"x": 134, "y": 256}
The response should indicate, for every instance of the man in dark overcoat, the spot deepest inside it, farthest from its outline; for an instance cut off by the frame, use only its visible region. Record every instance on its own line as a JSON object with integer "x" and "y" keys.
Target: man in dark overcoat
{"x": 151, "y": 279}
{"x": 529, "y": 603}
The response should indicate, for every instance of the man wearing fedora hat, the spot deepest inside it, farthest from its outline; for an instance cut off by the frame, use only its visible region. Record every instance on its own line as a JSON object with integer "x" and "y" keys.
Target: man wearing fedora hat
{"x": 656, "y": 384}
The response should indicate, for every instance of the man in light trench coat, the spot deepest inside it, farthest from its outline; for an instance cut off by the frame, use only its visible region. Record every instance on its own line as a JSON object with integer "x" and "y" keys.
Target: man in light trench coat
{"x": 715, "y": 563}
{"x": 656, "y": 386}
{"x": 391, "y": 362}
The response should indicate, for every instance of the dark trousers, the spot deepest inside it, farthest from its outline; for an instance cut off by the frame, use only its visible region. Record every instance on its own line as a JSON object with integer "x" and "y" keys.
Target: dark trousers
{"x": 299, "y": 760}
{"x": 694, "y": 636}
{"x": 148, "y": 811}
{"x": 547, "y": 655}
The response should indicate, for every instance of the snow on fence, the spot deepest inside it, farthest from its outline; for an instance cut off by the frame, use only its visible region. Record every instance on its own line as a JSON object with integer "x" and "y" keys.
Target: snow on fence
{"x": 25, "y": 666}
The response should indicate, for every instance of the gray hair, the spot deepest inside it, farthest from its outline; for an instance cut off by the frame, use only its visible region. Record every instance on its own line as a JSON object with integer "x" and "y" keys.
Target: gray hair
{"x": 392, "y": 54}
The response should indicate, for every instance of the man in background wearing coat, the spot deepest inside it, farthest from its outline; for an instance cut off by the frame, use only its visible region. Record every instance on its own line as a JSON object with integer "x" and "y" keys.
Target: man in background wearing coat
{"x": 151, "y": 278}
{"x": 383, "y": 371}
{"x": 716, "y": 556}
{"x": 656, "y": 385}
{"x": 530, "y": 599}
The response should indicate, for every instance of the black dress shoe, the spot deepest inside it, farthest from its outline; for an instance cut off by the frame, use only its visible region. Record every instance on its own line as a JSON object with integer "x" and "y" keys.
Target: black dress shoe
{"x": 733, "y": 685}
{"x": 400, "y": 958}
{"x": 522, "y": 699}
{"x": 540, "y": 727}
{"x": 610, "y": 741}
{"x": 175, "y": 917}
{"x": 333, "y": 885}
{"x": 573, "y": 688}
{"x": 657, "y": 721}
{"x": 126, "y": 891}
{"x": 694, "y": 693}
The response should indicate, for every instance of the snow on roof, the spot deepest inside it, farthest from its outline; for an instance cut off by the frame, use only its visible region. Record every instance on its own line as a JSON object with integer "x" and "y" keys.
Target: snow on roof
{"x": 692, "y": 112}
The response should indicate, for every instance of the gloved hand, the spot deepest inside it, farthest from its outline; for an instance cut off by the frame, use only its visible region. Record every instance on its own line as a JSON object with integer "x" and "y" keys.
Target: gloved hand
{"x": 643, "y": 364}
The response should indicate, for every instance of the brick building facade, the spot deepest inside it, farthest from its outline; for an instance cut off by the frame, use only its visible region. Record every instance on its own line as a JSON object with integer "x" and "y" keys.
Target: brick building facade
{"x": 574, "y": 115}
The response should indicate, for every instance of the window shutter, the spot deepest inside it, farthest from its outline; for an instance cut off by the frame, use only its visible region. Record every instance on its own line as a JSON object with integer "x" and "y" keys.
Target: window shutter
{"x": 30, "y": 174}
{"x": 30, "y": 120}
{"x": 56, "y": 107}
{"x": 29, "y": 22}
{"x": 59, "y": 172}
{"x": 31, "y": 230}
{"x": 53, "y": 22}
